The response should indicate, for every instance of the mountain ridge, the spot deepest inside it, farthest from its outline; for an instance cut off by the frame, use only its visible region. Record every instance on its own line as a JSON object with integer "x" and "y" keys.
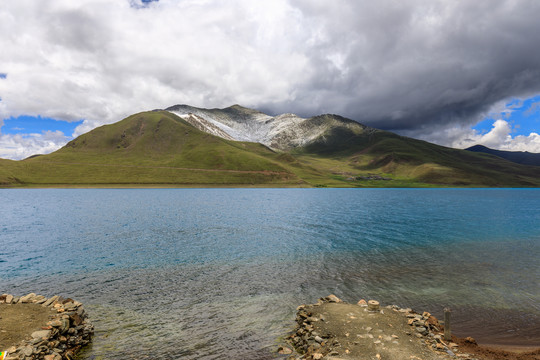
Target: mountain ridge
{"x": 186, "y": 146}
{"x": 283, "y": 132}
{"x": 519, "y": 157}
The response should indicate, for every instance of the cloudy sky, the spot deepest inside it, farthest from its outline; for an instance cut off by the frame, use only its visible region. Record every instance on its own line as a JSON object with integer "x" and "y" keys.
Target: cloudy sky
{"x": 455, "y": 73}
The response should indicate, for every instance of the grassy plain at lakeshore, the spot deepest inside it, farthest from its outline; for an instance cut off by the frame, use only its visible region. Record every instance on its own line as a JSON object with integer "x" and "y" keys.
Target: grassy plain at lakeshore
{"x": 160, "y": 149}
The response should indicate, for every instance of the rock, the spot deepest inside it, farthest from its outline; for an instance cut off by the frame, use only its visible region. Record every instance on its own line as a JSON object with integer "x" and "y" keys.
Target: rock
{"x": 317, "y": 356}
{"x": 39, "y": 299}
{"x": 9, "y": 299}
{"x": 76, "y": 319}
{"x": 27, "y": 350}
{"x": 373, "y": 305}
{"x": 333, "y": 299}
{"x": 55, "y": 323}
{"x": 283, "y": 350}
{"x": 318, "y": 339}
{"x": 27, "y": 298}
{"x": 422, "y": 330}
{"x": 41, "y": 334}
{"x": 470, "y": 340}
{"x": 50, "y": 301}
{"x": 65, "y": 325}
{"x": 362, "y": 302}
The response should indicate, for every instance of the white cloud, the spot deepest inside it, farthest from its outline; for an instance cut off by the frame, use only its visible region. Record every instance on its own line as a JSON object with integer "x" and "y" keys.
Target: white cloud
{"x": 499, "y": 138}
{"x": 103, "y": 60}
{"x": 398, "y": 65}
{"x": 17, "y": 147}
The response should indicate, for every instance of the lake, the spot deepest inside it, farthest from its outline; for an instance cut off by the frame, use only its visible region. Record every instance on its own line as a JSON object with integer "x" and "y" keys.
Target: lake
{"x": 218, "y": 273}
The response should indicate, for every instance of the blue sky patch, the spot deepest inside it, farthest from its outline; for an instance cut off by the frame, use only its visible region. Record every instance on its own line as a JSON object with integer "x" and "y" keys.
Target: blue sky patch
{"x": 3, "y": 75}
{"x": 523, "y": 116}
{"x": 138, "y": 4}
{"x": 36, "y": 125}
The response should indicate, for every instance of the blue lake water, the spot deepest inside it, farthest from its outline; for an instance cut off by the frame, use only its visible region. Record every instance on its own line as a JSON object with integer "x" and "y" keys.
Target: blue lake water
{"x": 218, "y": 273}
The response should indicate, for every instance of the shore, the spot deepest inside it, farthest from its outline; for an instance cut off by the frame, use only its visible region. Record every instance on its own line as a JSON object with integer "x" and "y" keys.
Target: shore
{"x": 332, "y": 329}
{"x": 36, "y": 327}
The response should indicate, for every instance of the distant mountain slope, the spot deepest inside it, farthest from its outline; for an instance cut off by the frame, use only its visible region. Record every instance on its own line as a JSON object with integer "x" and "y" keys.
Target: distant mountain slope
{"x": 188, "y": 147}
{"x": 519, "y": 157}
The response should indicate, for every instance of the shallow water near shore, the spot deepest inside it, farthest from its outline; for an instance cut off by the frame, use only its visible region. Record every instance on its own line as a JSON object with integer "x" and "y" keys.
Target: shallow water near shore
{"x": 218, "y": 273}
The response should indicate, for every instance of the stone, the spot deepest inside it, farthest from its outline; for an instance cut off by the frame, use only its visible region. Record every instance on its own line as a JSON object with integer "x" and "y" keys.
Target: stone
{"x": 55, "y": 323}
{"x": 333, "y": 299}
{"x": 76, "y": 319}
{"x": 39, "y": 299}
{"x": 283, "y": 350}
{"x": 373, "y": 305}
{"x": 65, "y": 326}
{"x": 27, "y": 298}
{"x": 362, "y": 302}
{"x": 422, "y": 330}
{"x": 470, "y": 340}
{"x": 27, "y": 350}
{"x": 9, "y": 298}
{"x": 50, "y": 301}
{"x": 318, "y": 339}
{"x": 317, "y": 356}
{"x": 41, "y": 334}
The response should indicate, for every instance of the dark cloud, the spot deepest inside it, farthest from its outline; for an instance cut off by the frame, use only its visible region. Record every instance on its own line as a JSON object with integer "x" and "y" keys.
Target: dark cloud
{"x": 415, "y": 64}
{"x": 418, "y": 67}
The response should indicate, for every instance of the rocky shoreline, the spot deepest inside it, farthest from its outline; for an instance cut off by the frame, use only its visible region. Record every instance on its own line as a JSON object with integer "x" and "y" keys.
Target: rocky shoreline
{"x": 66, "y": 331}
{"x": 332, "y": 330}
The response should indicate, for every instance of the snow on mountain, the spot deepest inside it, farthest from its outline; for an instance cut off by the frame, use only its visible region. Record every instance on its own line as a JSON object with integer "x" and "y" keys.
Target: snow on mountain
{"x": 282, "y": 132}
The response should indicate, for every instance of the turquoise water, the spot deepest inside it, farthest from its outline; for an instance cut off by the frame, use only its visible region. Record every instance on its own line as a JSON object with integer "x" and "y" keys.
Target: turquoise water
{"x": 218, "y": 273}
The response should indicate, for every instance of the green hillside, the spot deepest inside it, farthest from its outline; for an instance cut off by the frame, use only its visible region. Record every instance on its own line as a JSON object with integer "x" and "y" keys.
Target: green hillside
{"x": 158, "y": 148}
{"x": 407, "y": 160}
{"x": 151, "y": 148}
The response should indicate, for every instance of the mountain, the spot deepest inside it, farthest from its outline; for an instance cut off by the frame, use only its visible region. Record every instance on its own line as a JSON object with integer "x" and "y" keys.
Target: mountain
{"x": 236, "y": 146}
{"x": 283, "y": 132}
{"x": 519, "y": 157}
{"x": 156, "y": 148}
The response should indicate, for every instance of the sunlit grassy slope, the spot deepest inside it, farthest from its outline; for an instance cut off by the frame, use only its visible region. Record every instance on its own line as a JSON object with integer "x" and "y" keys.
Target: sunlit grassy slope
{"x": 151, "y": 148}
{"x": 160, "y": 149}
{"x": 415, "y": 162}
